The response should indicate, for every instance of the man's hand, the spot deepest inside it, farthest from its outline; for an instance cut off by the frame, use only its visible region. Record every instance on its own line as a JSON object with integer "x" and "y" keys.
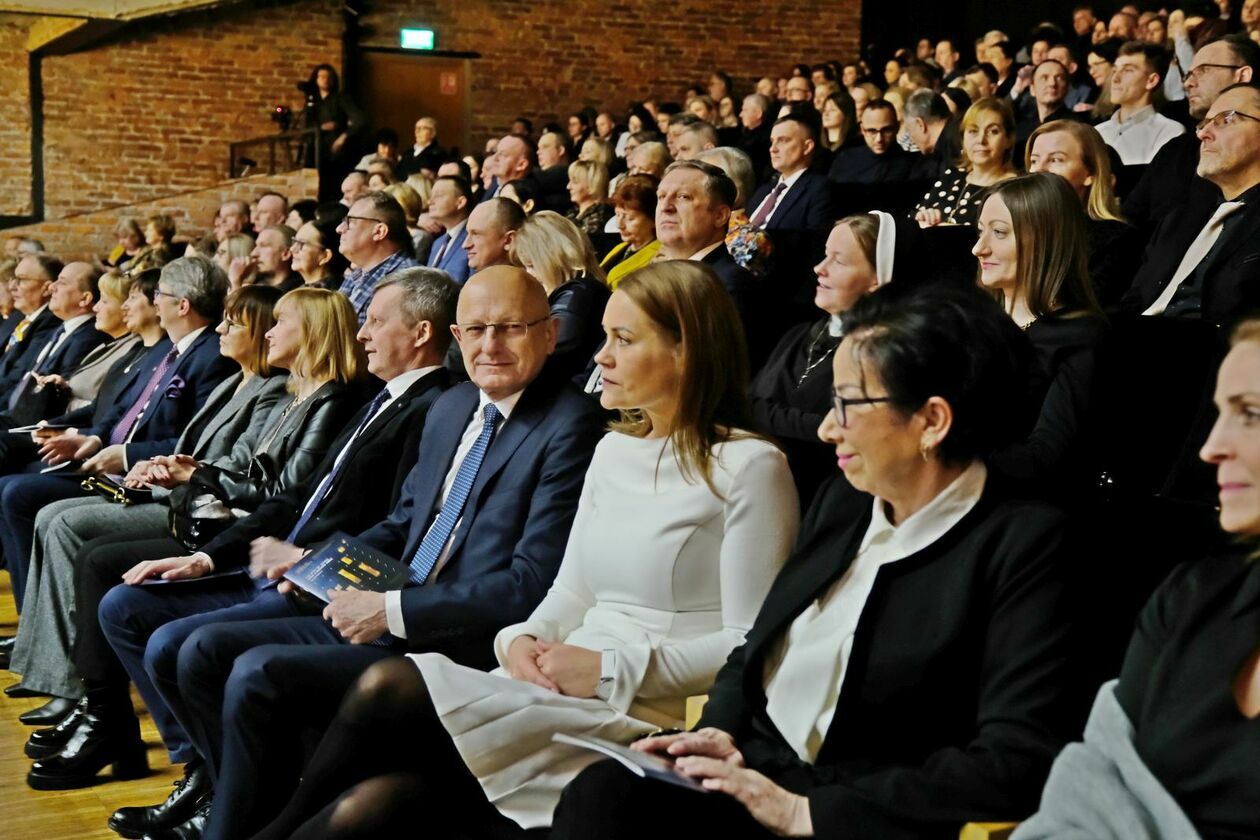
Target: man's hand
{"x": 339, "y": 142}
{"x": 358, "y": 616}
{"x": 53, "y": 379}
{"x": 522, "y": 663}
{"x": 574, "y": 670}
{"x": 271, "y": 558}
{"x": 110, "y": 460}
{"x": 426, "y": 222}
{"x": 239, "y": 270}
{"x": 169, "y": 568}
{"x": 67, "y": 447}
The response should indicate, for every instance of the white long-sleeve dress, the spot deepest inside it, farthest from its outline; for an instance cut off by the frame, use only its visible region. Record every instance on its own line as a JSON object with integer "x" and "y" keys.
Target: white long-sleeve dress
{"x": 658, "y": 569}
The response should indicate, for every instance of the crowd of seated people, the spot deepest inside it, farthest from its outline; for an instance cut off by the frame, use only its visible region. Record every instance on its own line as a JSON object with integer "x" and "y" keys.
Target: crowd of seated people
{"x": 841, "y": 398}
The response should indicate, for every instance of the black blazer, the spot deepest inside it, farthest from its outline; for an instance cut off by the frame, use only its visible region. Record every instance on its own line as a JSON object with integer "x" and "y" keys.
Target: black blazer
{"x": 1231, "y": 285}
{"x": 431, "y": 157}
{"x": 806, "y": 206}
{"x": 1170, "y": 183}
{"x": 753, "y": 301}
{"x": 958, "y": 691}
{"x": 65, "y": 358}
{"x": 507, "y": 547}
{"x": 578, "y": 307}
{"x": 20, "y": 358}
{"x": 363, "y": 492}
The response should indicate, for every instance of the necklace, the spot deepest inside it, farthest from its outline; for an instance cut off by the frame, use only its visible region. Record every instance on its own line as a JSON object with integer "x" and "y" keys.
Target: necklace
{"x": 810, "y": 361}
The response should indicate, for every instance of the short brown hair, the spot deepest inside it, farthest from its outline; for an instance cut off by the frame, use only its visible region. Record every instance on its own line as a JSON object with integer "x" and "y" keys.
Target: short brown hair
{"x": 254, "y": 308}
{"x": 637, "y": 192}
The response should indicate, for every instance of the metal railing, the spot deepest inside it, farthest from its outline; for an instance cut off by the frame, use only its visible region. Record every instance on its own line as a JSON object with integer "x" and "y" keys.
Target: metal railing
{"x": 275, "y": 153}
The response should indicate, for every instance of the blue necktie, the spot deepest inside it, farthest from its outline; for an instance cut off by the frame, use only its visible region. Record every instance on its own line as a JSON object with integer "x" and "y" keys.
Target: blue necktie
{"x": 435, "y": 540}
{"x": 321, "y": 491}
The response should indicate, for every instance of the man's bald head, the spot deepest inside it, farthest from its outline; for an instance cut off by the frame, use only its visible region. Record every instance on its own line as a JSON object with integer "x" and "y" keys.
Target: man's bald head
{"x": 504, "y": 329}
{"x": 515, "y": 157}
{"x": 491, "y": 227}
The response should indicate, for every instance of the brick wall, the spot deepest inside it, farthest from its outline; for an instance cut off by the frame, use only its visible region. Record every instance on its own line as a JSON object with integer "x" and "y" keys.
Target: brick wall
{"x": 546, "y": 58}
{"x": 15, "y": 122}
{"x": 90, "y": 235}
{"x": 151, "y": 112}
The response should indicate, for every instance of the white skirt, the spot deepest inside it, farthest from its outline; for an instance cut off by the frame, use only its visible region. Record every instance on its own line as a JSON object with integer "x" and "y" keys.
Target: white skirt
{"x": 502, "y": 728}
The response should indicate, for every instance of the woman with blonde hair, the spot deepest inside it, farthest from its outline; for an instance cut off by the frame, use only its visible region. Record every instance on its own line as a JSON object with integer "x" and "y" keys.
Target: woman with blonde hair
{"x": 413, "y": 205}
{"x": 684, "y": 519}
{"x": 1076, "y": 152}
{"x": 598, "y": 150}
{"x": 233, "y": 246}
{"x": 588, "y": 189}
{"x": 1032, "y": 249}
{"x": 559, "y": 256}
{"x": 988, "y": 141}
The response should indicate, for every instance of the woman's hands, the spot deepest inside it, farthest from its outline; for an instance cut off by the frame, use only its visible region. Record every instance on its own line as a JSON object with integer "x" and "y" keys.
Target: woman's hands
{"x": 711, "y": 756}
{"x": 929, "y": 217}
{"x": 522, "y": 663}
{"x": 565, "y": 669}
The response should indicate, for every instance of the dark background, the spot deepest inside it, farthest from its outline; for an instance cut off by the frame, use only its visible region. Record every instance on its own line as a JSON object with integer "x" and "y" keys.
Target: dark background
{"x": 888, "y": 24}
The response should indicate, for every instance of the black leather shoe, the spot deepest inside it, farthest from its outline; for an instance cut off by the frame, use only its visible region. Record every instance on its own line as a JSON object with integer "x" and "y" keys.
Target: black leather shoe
{"x": 7, "y": 643}
{"x": 19, "y": 690}
{"x": 49, "y": 714}
{"x": 190, "y": 829}
{"x": 45, "y": 743}
{"x": 96, "y": 743}
{"x": 190, "y": 793}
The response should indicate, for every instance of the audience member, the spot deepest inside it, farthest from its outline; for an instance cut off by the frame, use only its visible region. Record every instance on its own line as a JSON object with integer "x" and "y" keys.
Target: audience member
{"x": 922, "y": 393}
{"x": 988, "y": 131}
{"x": 31, "y": 289}
{"x": 317, "y": 256}
{"x": 692, "y": 139}
{"x": 1075, "y": 152}
{"x": 577, "y": 665}
{"x": 552, "y": 175}
{"x": 1169, "y": 744}
{"x": 301, "y": 212}
{"x": 233, "y": 217}
{"x": 513, "y": 160}
{"x": 130, "y": 241}
{"x": 634, "y": 204}
{"x": 450, "y": 203}
{"x": 755, "y": 119}
{"x": 588, "y": 190}
{"x": 1049, "y": 88}
{"x": 797, "y": 198}
{"x": 933, "y": 130}
{"x": 374, "y": 238}
{"x": 880, "y": 159}
{"x": 947, "y": 60}
{"x": 839, "y": 122}
{"x": 425, "y": 155}
{"x": 555, "y": 252}
{"x": 1136, "y": 130}
{"x": 269, "y": 263}
{"x": 270, "y": 209}
{"x": 1204, "y": 263}
{"x": 490, "y": 228}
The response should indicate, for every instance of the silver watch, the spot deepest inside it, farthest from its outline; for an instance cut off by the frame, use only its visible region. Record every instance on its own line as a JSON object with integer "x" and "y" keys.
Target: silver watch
{"x": 607, "y": 670}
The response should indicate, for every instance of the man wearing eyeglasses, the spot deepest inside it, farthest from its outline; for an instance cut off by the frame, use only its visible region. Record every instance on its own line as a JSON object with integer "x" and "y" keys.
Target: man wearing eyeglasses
{"x": 1136, "y": 130}
{"x": 1204, "y": 263}
{"x": 1170, "y": 182}
{"x": 374, "y": 238}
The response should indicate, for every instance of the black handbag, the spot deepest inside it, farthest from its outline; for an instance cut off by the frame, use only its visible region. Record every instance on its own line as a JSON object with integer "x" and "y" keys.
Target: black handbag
{"x": 115, "y": 492}
{"x": 43, "y": 402}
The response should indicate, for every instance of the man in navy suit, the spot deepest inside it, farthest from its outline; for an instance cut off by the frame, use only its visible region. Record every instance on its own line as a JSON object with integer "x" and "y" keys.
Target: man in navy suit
{"x": 450, "y": 201}
{"x": 32, "y": 286}
{"x": 481, "y": 523}
{"x": 798, "y": 198}
{"x": 147, "y": 419}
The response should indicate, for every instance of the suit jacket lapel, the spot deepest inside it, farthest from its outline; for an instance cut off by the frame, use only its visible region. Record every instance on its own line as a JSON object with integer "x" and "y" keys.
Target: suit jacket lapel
{"x": 439, "y": 444}
{"x": 456, "y": 244}
{"x": 160, "y": 394}
{"x": 225, "y": 402}
{"x": 792, "y": 196}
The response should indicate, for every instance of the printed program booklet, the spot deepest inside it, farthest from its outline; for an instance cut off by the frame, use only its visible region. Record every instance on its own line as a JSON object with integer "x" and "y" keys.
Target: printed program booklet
{"x": 644, "y": 765}
{"x": 345, "y": 563}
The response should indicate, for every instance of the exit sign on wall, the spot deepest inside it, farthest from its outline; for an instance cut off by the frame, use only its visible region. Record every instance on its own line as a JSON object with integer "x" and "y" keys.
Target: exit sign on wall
{"x": 416, "y": 39}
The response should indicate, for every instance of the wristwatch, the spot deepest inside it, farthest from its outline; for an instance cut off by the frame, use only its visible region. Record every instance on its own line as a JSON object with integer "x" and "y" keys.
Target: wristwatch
{"x": 607, "y": 671}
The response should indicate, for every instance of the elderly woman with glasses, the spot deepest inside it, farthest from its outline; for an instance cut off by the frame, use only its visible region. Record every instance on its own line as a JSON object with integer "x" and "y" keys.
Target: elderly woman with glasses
{"x": 909, "y": 669}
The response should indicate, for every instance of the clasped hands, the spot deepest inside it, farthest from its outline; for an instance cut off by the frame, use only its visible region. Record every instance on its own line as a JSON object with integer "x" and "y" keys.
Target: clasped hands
{"x": 710, "y": 756}
{"x": 565, "y": 669}
{"x": 167, "y": 471}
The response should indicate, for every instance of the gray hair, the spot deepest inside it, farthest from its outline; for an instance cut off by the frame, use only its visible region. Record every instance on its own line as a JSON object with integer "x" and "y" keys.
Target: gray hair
{"x": 759, "y": 102}
{"x": 718, "y": 186}
{"x": 200, "y": 281}
{"x": 738, "y": 167}
{"x": 706, "y": 131}
{"x": 428, "y": 294}
{"x": 927, "y": 105}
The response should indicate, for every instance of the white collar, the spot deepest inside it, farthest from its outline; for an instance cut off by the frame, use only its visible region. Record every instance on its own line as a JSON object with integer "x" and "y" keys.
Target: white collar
{"x": 706, "y": 250}
{"x": 181, "y": 346}
{"x": 72, "y": 324}
{"x": 930, "y": 522}
{"x": 400, "y": 383}
{"x": 505, "y": 405}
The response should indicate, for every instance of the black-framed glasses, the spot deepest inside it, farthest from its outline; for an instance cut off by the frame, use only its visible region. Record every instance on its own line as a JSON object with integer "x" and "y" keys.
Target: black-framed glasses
{"x": 346, "y": 220}
{"x": 841, "y": 405}
{"x": 160, "y": 293}
{"x": 1223, "y": 118}
{"x": 509, "y": 330}
{"x": 298, "y": 244}
{"x": 1197, "y": 71}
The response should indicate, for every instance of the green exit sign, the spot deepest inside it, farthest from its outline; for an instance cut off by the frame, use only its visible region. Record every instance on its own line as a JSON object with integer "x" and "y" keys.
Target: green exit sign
{"x": 417, "y": 39}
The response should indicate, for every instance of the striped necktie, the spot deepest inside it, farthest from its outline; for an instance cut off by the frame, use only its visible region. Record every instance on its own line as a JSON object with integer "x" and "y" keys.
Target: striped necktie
{"x": 122, "y": 431}
{"x": 19, "y": 332}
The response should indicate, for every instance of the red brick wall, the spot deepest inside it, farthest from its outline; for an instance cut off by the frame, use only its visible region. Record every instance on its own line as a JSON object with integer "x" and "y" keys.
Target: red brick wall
{"x": 546, "y": 58}
{"x": 92, "y": 234}
{"x": 151, "y": 113}
{"x": 15, "y": 122}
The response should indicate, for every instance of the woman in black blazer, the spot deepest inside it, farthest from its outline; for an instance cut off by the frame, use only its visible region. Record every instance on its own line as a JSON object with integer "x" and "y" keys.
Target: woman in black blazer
{"x": 1032, "y": 247}
{"x": 909, "y": 669}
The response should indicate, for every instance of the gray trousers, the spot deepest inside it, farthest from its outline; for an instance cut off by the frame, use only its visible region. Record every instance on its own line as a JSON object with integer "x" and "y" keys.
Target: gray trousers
{"x": 46, "y": 632}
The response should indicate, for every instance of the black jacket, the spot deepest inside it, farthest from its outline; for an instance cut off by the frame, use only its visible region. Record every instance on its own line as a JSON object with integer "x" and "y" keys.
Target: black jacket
{"x": 958, "y": 691}
{"x": 1170, "y": 183}
{"x": 360, "y": 496}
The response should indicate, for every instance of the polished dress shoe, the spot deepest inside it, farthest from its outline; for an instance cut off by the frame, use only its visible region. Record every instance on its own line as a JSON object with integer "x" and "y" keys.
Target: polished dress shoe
{"x": 19, "y": 690}
{"x": 100, "y": 740}
{"x": 45, "y": 743}
{"x": 49, "y": 714}
{"x": 190, "y": 793}
{"x": 190, "y": 829}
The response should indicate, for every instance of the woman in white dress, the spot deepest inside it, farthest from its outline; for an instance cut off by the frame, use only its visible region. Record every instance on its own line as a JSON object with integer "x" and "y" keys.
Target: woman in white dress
{"x": 684, "y": 520}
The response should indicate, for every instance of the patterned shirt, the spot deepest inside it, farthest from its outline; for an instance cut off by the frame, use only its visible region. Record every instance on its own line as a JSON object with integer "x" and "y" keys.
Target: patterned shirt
{"x": 360, "y": 283}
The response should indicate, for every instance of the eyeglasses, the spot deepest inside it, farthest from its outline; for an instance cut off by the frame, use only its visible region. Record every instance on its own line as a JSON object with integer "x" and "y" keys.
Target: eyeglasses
{"x": 1197, "y": 71}
{"x": 509, "y": 330}
{"x": 298, "y": 244}
{"x": 346, "y": 220}
{"x": 160, "y": 293}
{"x": 877, "y": 132}
{"x": 1222, "y": 119}
{"x": 233, "y": 325}
{"x": 841, "y": 405}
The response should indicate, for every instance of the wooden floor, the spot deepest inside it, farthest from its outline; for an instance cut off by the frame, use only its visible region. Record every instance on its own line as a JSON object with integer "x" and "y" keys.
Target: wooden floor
{"x": 72, "y": 814}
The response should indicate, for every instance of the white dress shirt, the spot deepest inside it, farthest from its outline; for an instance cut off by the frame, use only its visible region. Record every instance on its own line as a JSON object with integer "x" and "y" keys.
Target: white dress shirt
{"x": 1137, "y": 139}
{"x": 804, "y": 676}
{"x": 393, "y": 600}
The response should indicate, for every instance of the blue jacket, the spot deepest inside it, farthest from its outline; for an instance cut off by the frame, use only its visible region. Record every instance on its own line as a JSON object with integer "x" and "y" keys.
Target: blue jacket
{"x": 806, "y": 206}
{"x": 507, "y": 547}
{"x": 455, "y": 260}
{"x": 181, "y": 393}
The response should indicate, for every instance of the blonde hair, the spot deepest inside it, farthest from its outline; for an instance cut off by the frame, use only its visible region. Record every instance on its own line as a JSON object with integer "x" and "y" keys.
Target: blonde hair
{"x": 687, "y": 302}
{"x": 239, "y": 244}
{"x": 555, "y": 250}
{"x": 1102, "y": 202}
{"x": 593, "y": 175}
{"x": 597, "y": 150}
{"x": 116, "y": 284}
{"x": 328, "y": 349}
{"x": 408, "y": 199}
